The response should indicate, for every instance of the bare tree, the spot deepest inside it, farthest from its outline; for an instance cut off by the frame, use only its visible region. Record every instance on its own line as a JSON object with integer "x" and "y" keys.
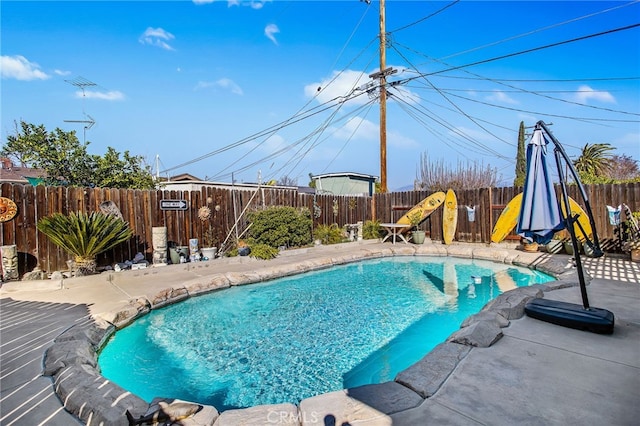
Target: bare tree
{"x": 437, "y": 176}
{"x": 623, "y": 167}
{"x": 287, "y": 181}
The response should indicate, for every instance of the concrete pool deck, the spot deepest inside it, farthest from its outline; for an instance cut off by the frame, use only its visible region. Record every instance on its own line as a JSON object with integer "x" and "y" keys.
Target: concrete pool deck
{"x": 536, "y": 373}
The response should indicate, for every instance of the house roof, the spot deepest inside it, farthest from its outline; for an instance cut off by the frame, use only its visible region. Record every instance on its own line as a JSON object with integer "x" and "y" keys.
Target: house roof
{"x": 345, "y": 174}
{"x": 196, "y": 184}
{"x": 184, "y": 177}
{"x": 17, "y": 174}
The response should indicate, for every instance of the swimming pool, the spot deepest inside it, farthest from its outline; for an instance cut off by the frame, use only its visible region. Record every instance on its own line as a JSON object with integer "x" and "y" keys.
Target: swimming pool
{"x": 292, "y": 338}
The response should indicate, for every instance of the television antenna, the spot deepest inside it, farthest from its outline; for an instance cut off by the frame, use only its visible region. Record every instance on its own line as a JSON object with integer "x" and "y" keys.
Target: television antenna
{"x": 82, "y": 83}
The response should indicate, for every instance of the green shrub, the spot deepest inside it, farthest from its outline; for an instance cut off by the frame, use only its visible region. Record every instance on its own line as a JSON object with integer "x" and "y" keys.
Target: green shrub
{"x": 281, "y": 226}
{"x": 263, "y": 251}
{"x": 329, "y": 234}
{"x": 371, "y": 230}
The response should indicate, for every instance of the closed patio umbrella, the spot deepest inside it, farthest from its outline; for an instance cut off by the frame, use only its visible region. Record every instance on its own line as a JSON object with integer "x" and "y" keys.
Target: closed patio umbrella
{"x": 540, "y": 217}
{"x": 539, "y": 212}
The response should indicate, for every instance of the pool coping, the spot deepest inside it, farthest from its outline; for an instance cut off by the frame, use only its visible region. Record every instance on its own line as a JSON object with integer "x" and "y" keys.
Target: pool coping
{"x": 72, "y": 364}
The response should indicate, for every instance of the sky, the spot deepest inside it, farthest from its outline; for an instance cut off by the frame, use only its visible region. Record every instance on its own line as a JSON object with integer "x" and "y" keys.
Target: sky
{"x": 262, "y": 90}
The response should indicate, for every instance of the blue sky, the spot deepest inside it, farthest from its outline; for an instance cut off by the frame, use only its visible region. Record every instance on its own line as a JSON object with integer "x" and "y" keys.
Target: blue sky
{"x": 279, "y": 88}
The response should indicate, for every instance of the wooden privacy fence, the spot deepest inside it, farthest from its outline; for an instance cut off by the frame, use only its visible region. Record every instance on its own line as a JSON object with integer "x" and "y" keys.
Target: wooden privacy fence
{"x": 142, "y": 210}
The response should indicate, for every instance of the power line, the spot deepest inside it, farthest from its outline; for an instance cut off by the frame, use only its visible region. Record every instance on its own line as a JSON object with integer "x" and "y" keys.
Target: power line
{"x": 539, "y": 30}
{"x": 441, "y": 93}
{"x": 535, "y": 92}
{"x": 546, "y": 80}
{"x": 522, "y": 52}
{"x": 442, "y": 9}
{"x": 545, "y": 113}
{"x": 338, "y": 101}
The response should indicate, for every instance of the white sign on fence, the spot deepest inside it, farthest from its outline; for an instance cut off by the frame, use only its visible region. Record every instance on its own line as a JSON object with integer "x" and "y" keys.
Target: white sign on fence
{"x": 173, "y": 204}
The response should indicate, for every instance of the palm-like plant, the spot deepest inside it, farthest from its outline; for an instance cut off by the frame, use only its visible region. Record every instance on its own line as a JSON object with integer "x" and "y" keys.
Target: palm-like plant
{"x": 85, "y": 235}
{"x": 595, "y": 159}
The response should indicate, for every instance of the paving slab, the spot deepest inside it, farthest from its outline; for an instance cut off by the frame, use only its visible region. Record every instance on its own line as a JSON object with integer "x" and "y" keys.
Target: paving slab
{"x": 541, "y": 373}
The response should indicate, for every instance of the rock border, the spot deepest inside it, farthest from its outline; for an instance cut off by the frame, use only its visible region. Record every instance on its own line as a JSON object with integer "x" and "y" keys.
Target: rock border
{"x": 72, "y": 360}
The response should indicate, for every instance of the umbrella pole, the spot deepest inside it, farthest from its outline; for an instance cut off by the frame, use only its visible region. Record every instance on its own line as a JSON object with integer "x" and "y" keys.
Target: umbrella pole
{"x": 569, "y": 222}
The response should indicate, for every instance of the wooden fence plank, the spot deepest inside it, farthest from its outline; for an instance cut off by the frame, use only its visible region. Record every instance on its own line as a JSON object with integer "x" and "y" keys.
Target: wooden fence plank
{"x": 142, "y": 210}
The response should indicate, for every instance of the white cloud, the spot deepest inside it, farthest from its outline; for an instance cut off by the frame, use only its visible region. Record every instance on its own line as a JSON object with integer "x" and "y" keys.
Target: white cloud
{"x": 501, "y": 97}
{"x": 230, "y": 85}
{"x": 406, "y": 95}
{"x": 340, "y": 84}
{"x": 113, "y": 95}
{"x": 585, "y": 93}
{"x": 350, "y": 82}
{"x": 270, "y": 30}
{"x": 157, "y": 37}
{"x": 62, "y": 73}
{"x": 223, "y": 83}
{"x": 254, "y": 4}
{"x": 361, "y": 129}
{"x": 20, "y": 68}
{"x": 358, "y": 128}
{"x": 628, "y": 143}
{"x": 397, "y": 140}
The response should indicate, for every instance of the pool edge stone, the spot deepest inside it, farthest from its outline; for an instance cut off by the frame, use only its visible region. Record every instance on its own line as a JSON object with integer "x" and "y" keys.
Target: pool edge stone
{"x": 388, "y": 397}
{"x": 427, "y": 375}
{"x": 338, "y": 408}
{"x": 271, "y": 414}
{"x": 423, "y": 378}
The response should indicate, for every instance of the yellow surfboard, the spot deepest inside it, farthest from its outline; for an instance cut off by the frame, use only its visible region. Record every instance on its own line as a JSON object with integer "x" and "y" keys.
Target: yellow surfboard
{"x": 449, "y": 217}
{"x": 507, "y": 220}
{"x": 424, "y": 207}
{"x": 583, "y": 219}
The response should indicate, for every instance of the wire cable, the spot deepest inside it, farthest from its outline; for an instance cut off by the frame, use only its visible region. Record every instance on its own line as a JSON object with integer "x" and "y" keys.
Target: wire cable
{"x": 521, "y": 90}
{"x": 533, "y": 49}
{"x": 540, "y": 30}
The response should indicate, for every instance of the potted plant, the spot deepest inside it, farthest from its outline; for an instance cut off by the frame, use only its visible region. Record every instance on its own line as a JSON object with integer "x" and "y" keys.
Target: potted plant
{"x": 329, "y": 234}
{"x": 371, "y": 230}
{"x": 85, "y": 236}
{"x": 209, "y": 248}
{"x": 529, "y": 245}
{"x": 630, "y": 235}
{"x": 243, "y": 248}
{"x": 417, "y": 236}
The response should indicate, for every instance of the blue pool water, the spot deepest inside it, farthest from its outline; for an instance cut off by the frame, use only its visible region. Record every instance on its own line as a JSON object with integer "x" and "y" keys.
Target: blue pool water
{"x": 296, "y": 337}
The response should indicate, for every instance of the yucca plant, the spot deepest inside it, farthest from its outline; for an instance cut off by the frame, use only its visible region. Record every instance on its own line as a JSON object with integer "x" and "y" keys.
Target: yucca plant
{"x": 84, "y": 235}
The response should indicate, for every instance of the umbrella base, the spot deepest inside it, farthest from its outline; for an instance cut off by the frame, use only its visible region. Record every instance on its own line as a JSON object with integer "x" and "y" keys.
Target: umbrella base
{"x": 570, "y": 315}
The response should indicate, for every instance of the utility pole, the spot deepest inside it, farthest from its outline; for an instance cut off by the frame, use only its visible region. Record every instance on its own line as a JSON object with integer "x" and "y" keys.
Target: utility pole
{"x": 382, "y": 75}
{"x": 383, "y": 101}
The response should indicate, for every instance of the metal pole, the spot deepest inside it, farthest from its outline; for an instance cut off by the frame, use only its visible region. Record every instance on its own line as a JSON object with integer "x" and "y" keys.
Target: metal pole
{"x": 235, "y": 208}
{"x": 569, "y": 222}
